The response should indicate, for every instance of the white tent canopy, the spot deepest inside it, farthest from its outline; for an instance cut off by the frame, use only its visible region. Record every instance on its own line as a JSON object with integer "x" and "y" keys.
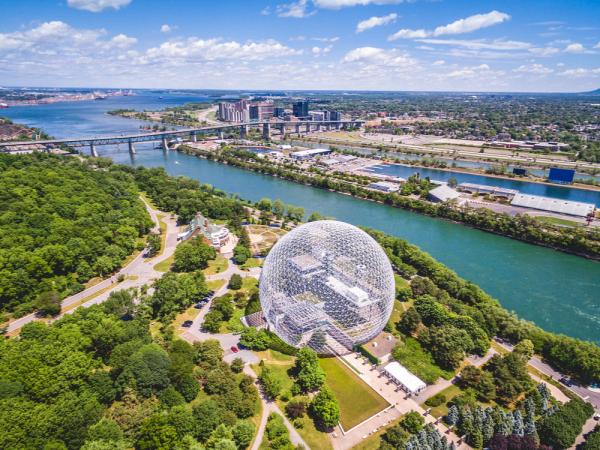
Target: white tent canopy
{"x": 403, "y": 377}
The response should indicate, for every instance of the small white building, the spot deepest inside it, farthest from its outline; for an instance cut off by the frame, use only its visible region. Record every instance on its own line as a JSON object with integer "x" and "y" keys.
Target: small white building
{"x": 384, "y": 186}
{"x": 407, "y": 381}
{"x": 443, "y": 193}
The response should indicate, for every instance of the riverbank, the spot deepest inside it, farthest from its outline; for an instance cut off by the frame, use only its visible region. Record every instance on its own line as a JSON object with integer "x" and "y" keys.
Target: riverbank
{"x": 388, "y": 159}
{"x": 448, "y": 154}
{"x": 577, "y": 242}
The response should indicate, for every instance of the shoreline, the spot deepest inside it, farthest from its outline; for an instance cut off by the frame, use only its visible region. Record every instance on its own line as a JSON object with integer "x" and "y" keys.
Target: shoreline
{"x": 540, "y": 244}
{"x": 423, "y": 153}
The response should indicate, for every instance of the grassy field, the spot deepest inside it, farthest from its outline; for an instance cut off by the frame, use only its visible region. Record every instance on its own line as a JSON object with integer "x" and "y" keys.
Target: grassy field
{"x": 248, "y": 283}
{"x": 252, "y": 262}
{"x": 418, "y": 361}
{"x": 357, "y": 400}
{"x": 450, "y": 392}
{"x": 373, "y": 441}
{"x": 558, "y": 221}
{"x": 215, "y": 285}
{"x": 217, "y": 265}
{"x": 234, "y": 325}
{"x": 165, "y": 264}
{"x": 188, "y": 314}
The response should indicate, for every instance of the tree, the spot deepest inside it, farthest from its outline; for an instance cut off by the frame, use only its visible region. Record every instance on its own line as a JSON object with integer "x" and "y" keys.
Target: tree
{"x": 410, "y": 321}
{"x": 264, "y": 204}
{"x": 241, "y": 254}
{"x": 146, "y": 371}
{"x": 235, "y": 282}
{"x": 314, "y": 216}
{"x": 154, "y": 245}
{"x": 452, "y": 416}
{"x": 309, "y": 374}
{"x": 325, "y": 408}
{"x": 270, "y": 383}
{"x": 193, "y": 255}
{"x": 157, "y": 434}
{"x": 447, "y": 344}
{"x": 452, "y": 182}
{"x": 237, "y": 365}
{"x": 105, "y": 430}
{"x": 295, "y": 409}
{"x": 278, "y": 208}
{"x": 243, "y": 433}
{"x": 412, "y": 422}
{"x": 524, "y": 348}
{"x": 481, "y": 381}
{"x": 48, "y": 303}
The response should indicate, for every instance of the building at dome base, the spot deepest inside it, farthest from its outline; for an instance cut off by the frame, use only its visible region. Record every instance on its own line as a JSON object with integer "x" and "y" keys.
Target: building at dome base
{"x": 327, "y": 285}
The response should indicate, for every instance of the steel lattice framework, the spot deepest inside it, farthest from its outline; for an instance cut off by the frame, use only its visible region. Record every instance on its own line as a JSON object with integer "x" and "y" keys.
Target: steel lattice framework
{"x": 328, "y": 285}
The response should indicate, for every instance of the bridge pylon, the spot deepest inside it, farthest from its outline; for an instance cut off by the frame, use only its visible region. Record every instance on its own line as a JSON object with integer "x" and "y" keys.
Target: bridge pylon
{"x": 93, "y": 150}
{"x": 131, "y": 148}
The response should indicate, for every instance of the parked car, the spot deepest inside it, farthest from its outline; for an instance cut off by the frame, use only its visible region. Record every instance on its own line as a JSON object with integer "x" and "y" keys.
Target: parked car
{"x": 187, "y": 324}
{"x": 234, "y": 349}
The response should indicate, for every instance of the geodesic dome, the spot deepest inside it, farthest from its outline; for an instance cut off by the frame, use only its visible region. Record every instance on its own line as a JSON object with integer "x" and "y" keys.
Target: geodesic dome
{"x": 328, "y": 285}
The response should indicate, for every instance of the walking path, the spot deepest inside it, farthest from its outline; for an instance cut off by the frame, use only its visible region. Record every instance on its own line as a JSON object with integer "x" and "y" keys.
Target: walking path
{"x": 400, "y": 405}
{"x": 228, "y": 340}
{"x": 138, "y": 272}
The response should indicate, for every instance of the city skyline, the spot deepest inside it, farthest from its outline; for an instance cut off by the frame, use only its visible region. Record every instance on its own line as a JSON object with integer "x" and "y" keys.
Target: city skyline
{"x": 303, "y": 44}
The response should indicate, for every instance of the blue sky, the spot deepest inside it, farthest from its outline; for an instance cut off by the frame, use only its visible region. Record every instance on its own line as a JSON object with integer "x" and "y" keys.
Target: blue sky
{"x": 303, "y": 44}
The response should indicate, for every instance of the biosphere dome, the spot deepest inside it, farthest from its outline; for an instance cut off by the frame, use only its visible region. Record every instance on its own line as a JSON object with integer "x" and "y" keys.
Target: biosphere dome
{"x": 328, "y": 285}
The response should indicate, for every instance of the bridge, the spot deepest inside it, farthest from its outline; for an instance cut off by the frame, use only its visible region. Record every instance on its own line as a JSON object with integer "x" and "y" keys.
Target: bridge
{"x": 165, "y": 136}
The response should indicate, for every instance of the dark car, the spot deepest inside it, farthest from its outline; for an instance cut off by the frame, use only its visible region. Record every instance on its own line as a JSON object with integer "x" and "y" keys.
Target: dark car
{"x": 234, "y": 349}
{"x": 187, "y": 324}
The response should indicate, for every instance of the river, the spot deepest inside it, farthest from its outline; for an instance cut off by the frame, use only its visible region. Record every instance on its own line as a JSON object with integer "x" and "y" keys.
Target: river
{"x": 558, "y": 292}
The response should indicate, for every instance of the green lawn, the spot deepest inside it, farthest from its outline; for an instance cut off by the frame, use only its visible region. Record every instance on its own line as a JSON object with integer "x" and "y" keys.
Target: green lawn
{"x": 412, "y": 356}
{"x": 252, "y": 262}
{"x": 165, "y": 264}
{"x": 217, "y": 265}
{"x": 249, "y": 283}
{"x": 450, "y": 392}
{"x": 234, "y": 324}
{"x": 279, "y": 372}
{"x": 357, "y": 400}
{"x": 558, "y": 221}
{"x": 215, "y": 285}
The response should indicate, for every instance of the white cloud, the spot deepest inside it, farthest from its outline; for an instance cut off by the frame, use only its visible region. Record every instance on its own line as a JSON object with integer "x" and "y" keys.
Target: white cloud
{"x": 97, "y": 5}
{"x": 194, "y": 49}
{"x": 480, "y": 44}
{"x": 165, "y": 28}
{"x": 574, "y": 48}
{"x": 470, "y": 72}
{"x": 597, "y": 45}
{"x": 297, "y": 9}
{"x": 326, "y": 39}
{"x": 318, "y": 51}
{"x": 536, "y": 69}
{"x": 544, "y": 51}
{"x": 580, "y": 72}
{"x": 375, "y": 22}
{"x": 122, "y": 41}
{"x": 337, "y": 4}
{"x": 439, "y": 62}
{"x": 379, "y": 57}
{"x": 460, "y": 26}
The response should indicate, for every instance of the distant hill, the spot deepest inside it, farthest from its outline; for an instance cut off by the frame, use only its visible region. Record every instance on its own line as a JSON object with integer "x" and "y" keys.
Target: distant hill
{"x": 594, "y": 92}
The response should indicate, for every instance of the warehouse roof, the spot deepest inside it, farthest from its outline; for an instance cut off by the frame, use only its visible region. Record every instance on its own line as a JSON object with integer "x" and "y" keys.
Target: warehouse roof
{"x": 554, "y": 205}
{"x": 443, "y": 193}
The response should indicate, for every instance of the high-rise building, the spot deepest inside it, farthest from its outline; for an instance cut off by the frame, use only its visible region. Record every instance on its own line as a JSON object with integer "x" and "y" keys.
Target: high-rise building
{"x": 233, "y": 112}
{"x": 261, "y": 110}
{"x": 278, "y": 111}
{"x": 335, "y": 115}
{"x": 300, "y": 108}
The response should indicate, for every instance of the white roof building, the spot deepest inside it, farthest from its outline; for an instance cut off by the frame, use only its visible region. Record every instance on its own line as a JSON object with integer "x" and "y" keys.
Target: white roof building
{"x": 411, "y": 383}
{"x": 443, "y": 193}
{"x": 384, "y": 186}
{"x": 309, "y": 153}
{"x": 553, "y": 205}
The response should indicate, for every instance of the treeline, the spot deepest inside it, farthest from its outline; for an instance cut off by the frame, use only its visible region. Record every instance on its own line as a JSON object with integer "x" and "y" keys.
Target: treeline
{"x": 62, "y": 222}
{"x": 568, "y": 355}
{"x": 580, "y": 241}
{"x": 98, "y": 380}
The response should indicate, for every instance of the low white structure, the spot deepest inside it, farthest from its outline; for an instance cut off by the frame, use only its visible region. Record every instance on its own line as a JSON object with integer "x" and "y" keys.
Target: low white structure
{"x": 484, "y": 189}
{"x": 555, "y": 205}
{"x": 443, "y": 193}
{"x": 309, "y": 153}
{"x": 401, "y": 376}
{"x": 384, "y": 186}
